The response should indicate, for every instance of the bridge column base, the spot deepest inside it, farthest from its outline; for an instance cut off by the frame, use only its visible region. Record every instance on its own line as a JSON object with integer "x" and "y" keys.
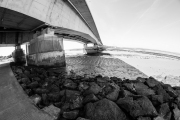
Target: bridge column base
{"x": 46, "y": 50}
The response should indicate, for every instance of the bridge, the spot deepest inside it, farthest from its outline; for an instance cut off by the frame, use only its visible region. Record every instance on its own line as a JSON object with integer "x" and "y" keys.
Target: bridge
{"x": 43, "y": 25}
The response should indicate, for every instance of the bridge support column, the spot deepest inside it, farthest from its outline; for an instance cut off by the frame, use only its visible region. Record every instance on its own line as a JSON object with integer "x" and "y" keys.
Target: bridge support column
{"x": 46, "y": 50}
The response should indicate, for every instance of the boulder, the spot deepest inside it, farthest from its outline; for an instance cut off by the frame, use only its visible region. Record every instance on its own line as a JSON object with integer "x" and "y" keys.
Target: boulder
{"x": 137, "y": 106}
{"x": 115, "y": 93}
{"x": 164, "y": 111}
{"x": 104, "y": 110}
{"x": 71, "y": 114}
{"x": 70, "y": 84}
{"x": 90, "y": 98}
{"x": 176, "y": 112}
{"x": 151, "y": 82}
{"x": 144, "y": 118}
{"x": 93, "y": 89}
{"x": 53, "y": 111}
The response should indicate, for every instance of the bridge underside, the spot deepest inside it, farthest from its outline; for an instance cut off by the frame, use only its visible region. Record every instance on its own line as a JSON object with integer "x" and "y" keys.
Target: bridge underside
{"x": 16, "y": 28}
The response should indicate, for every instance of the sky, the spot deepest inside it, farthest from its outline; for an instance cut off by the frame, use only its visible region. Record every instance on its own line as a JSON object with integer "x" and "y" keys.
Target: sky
{"x": 152, "y": 24}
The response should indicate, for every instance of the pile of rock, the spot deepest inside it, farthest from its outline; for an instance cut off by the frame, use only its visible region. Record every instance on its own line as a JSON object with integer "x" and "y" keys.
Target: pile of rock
{"x": 70, "y": 97}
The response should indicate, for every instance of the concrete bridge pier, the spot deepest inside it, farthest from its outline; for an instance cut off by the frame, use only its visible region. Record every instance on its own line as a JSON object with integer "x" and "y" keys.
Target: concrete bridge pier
{"x": 46, "y": 50}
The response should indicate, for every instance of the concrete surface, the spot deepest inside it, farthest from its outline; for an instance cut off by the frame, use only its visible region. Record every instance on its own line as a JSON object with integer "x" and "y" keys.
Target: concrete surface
{"x": 14, "y": 103}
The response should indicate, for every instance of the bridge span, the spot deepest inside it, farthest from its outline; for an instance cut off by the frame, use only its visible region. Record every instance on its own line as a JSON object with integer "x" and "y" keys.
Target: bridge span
{"x": 43, "y": 25}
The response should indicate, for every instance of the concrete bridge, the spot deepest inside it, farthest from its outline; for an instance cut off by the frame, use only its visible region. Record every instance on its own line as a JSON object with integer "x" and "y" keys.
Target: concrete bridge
{"x": 43, "y": 25}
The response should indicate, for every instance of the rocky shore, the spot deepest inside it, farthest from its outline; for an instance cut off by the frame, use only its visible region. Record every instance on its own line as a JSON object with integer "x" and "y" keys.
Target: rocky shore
{"x": 68, "y": 96}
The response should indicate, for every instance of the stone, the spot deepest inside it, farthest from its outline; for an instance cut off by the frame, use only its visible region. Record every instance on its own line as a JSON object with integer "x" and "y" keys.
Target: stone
{"x": 90, "y": 98}
{"x": 70, "y": 84}
{"x": 36, "y": 99}
{"x": 76, "y": 102}
{"x": 70, "y": 93}
{"x": 104, "y": 110}
{"x": 157, "y": 99}
{"x": 130, "y": 87}
{"x": 164, "y": 111}
{"x": 53, "y": 111}
{"x": 83, "y": 86}
{"x": 171, "y": 91}
{"x": 36, "y": 79}
{"x": 41, "y": 91}
{"x": 158, "y": 118}
{"x": 137, "y": 106}
{"x": 93, "y": 89}
{"x": 53, "y": 97}
{"x": 115, "y": 93}
{"x": 160, "y": 91}
{"x": 71, "y": 114}
{"x": 125, "y": 93}
{"x": 144, "y": 118}
{"x": 25, "y": 81}
{"x": 151, "y": 82}
{"x": 33, "y": 85}
{"x": 176, "y": 112}
{"x": 140, "y": 79}
{"x": 80, "y": 118}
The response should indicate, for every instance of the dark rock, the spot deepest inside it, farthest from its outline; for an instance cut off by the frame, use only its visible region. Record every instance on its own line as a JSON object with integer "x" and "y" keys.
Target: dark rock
{"x": 45, "y": 99}
{"x": 151, "y": 82}
{"x": 41, "y": 91}
{"x": 65, "y": 106}
{"x": 158, "y": 118}
{"x": 25, "y": 81}
{"x": 157, "y": 99}
{"x": 130, "y": 87}
{"x": 80, "y": 118}
{"x": 125, "y": 93}
{"x": 70, "y": 93}
{"x": 137, "y": 106}
{"x": 176, "y": 113}
{"x": 83, "y": 86}
{"x": 141, "y": 79}
{"x": 70, "y": 84}
{"x": 164, "y": 111}
{"x": 53, "y": 111}
{"x": 71, "y": 114}
{"x": 144, "y": 118}
{"x": 76, "y": 101}
{"x": 142, "y": 89}
{"x": 33, "y": 85}
{"x": 115, "y": 93}
{"x": 170, "y": 91}
{"x": 116, "y": 80}
{"x": 53, "y": 97}
{"x": 104, "y": 110}
{"x": 160, "y": 91}
{"x": 36, "y": 79}
{"x": 93, "y": 89}
{"x": 90, "y": 98}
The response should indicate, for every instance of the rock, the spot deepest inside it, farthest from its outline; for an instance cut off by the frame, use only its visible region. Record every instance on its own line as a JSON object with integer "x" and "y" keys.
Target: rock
{"x": 90, "y": 98}
{"x": 158, "y": 118}
{"x": 80, "y": 118}
{"x": 33, "y": 85}
{"x": 41, "y": 91}
{"x": 176, "y": 112}
{"x": 157, "y": 99}
{"x": 70, "y": 84}
{"x": 115, "y": 93}
{"x": 125, "y": 93}
{"x": 116, "y": 80}
{"x": 36, "y": 99}
{"x": 70, "y": 93}
{"x": 53, "y": 97}
{"x": 141, "y": 79}
{"x": 45, "y": 99}
{"x": 93, "y": 89}
{"x": 151, "y": 82}
{"x": 18, "y": 71}
{"x": 130, "y": 87}
{"x": 160, "y": 91}
{"x": 164, "y": 109}
{"x": 76, "y": 101}
{"x": 83, "y": 86}
{"x": 171, "y": 91}
{"x": 36, "y": 79}
{"x": 71, "y": 114}
{"x": 104, "y": 110}
{"x": 53, "y": 111}
{"x": 142, "y": 89}
{"x": 137, "y": 106}
{"x": 144, "y": 118}
{"x": 25, "y": 81}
